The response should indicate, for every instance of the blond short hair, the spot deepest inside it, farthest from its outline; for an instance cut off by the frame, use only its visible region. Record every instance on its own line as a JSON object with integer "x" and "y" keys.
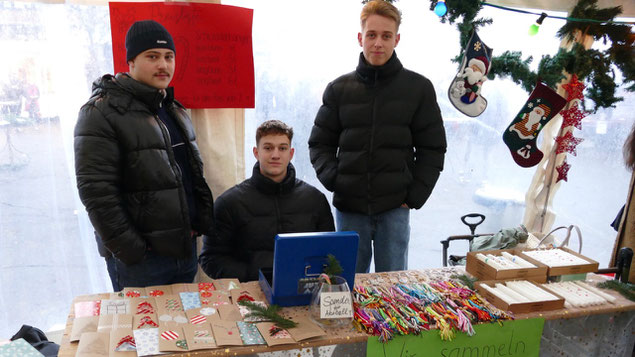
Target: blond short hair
{"x": 381, "y": 8}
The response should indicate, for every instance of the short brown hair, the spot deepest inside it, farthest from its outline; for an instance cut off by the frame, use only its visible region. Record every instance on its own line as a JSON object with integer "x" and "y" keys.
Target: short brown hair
{"x": 381, "y": 8}
{"x": 275, "y": 127}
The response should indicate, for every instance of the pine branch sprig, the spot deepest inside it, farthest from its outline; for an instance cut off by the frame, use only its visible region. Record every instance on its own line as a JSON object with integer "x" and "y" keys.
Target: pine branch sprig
{"x": 269, "y": 314}
{"x": 627, "y": 290}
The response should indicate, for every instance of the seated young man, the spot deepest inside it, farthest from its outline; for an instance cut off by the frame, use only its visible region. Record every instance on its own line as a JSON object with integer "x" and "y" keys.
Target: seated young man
{"x": 250, "y": 214}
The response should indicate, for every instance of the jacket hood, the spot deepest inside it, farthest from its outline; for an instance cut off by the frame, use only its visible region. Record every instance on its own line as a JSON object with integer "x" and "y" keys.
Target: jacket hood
{"x": 122, "y": 82}
{"x": 371, "y": 74}
{"x": 268, "y": 186}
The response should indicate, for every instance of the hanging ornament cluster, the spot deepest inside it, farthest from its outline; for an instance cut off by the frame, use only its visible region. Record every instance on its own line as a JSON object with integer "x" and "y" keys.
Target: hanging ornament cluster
{"x": 572, "y": 116}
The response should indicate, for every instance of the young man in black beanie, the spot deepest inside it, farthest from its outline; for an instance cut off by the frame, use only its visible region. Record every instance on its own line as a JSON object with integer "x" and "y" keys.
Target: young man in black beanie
{"x": 139, "y": 170}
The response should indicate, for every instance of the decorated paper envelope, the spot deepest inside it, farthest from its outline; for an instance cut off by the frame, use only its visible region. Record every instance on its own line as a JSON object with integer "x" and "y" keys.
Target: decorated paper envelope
{"x": 87, "y": 308}
{"x": 273, "y": 334}
{"x": 83, "y": 324}
{"x": 115, "y": 307}
{"x": 202, "y": 315}
{"x": 130, "y": 293}
{"x": 93, "y": 344}
{"x": 172, "y": 339}
{"x": 249, "y": 333}
{"x": 117, "y": 295}
{"x": 215, "y": 298}
{"x": 159, "y": 290}
{"x": 20, "y": 348}
{"x": 183, "y": 288}
{"x": 170, "y": 309}
{"x": 226, "y": 333}
{"x": 244, "y": 311}
{"x": 145, "y": 321}
{"x": 249, "y": 294}
{"x": 143, "y": 306}
{"x": 229, "y": 313}
{"x": 305, "y": 329}
{"x": 190, "y": 300}
{"x": 199, "y": 337}
{"x": 122, "y": 343}
{"x": 227, "y": 284}
{"x": 147, "y": 341}
{"x": 110, "y": 322}
{"x": 202, "y": 287}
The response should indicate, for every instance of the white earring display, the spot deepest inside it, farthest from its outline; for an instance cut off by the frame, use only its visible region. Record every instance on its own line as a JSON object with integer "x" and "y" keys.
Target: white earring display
{"x": 555, "y": 257}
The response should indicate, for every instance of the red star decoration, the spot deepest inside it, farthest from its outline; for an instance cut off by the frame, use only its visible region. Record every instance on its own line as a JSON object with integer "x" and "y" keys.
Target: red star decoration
{"x": 563, "y": 170}
{"x": 567, "y": 143}
{"x": 574, "y": 88}
{"x": 573, "y": 117}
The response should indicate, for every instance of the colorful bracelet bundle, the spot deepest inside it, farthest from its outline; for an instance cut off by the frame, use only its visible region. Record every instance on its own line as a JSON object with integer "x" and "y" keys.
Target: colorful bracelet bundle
{"x": 403, "y": 309}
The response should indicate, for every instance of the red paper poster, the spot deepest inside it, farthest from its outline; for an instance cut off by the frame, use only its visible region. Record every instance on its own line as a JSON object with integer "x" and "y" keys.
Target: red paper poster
{"x": 214, "y": 57}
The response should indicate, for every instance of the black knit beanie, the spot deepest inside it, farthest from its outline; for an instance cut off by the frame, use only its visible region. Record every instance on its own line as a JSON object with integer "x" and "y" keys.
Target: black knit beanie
{"x": 144, "y": 35}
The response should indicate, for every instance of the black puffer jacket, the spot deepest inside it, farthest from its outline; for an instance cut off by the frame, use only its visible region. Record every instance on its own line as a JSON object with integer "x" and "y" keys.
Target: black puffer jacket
{"x": 127, "y": 175}
{"x": 378, "y": 139}
{"x": 250, "y": 214}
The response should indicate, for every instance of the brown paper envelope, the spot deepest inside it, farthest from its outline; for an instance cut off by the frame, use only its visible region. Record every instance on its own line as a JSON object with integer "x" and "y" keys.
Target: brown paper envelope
{"x": 117, "y": 295}
{"x": 199, "y": 337}
{"x": 84, "y": 324}
{"x": 305, "y": 329}
{"x": 215, "y": 298}
{"x": 172, "y": 339}
{"x": 255, "y": 294}
{"x": 130, "y": 293}
{"x": 227, "y": 284}
{"x": 117, "y": 336}
{"x": 145, "y": 321}
{"x": 229, "y": 313}
{"x": 168, "y": 304}
{"x": 202, "y": 315}
{"x": 114, "y": 306}
{"x": 182, "y": 288}
{"x": 159, "y": 290}
{"x": 226, "y": 333}
{"x": 143, "y": 306}
{"x": 93, "y": 344}
{"x": 280, "y": 338}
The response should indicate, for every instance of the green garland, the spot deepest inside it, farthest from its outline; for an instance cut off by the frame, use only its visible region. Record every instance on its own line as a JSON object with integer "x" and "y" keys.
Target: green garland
{"x": 592, "y": 66}
{"x": 627, "y": 290}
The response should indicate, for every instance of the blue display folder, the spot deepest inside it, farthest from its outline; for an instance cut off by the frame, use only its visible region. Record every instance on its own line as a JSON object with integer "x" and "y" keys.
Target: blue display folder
{"x": 298, "y": 260}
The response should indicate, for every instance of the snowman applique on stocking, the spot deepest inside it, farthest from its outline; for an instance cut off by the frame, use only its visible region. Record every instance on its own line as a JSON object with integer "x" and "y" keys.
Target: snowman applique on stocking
{"x": 520, "y": 136}
{"x": 465, "y": 90}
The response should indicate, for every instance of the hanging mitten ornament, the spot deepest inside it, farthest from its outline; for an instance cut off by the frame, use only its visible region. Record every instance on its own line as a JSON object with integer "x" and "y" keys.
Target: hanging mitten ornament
{"x": 520, "y": 137}
{"x": 465, "y": 90}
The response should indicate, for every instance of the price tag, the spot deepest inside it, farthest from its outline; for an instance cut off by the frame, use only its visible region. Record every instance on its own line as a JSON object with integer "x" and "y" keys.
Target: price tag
{"x": 335, "y": 305}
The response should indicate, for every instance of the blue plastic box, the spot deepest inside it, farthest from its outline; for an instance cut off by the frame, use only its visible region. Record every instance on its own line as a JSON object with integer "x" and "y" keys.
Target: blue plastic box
{"x": 299, "y": 258}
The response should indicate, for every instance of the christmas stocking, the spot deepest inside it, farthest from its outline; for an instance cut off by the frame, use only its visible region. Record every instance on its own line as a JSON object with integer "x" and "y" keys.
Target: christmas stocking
{"x": 465, "y": 90}
{"x": 520, "y": 137}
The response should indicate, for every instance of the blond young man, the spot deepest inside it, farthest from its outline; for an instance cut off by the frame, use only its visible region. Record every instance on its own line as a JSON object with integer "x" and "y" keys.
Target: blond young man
{"x": 378, "y": 143}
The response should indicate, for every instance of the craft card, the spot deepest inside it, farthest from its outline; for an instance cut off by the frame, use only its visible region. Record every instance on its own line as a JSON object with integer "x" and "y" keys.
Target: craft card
{"x": 20, "y": 348}
{"x": 159, "y": 290}
{"x": 249, "y": 333}
{"x": 202, "y": 315}
{"x": 83, "y": 324}
{"x": 305, "y": 329}
{"x": 93, "y": 344}
{"x": 130, "y": 293}
{"x": 145, "y": 321}
{"x": 215, "y": 298}
{"x": 115, "y": 307}
{"x": 199, "y": 337}
{"x": 172, "y": 339}
{"x": 227, "y": 284}
{"x": 87, "y": 308}
{"x": 117, "y": 295}
{"x": 143, "y": 306}
{"x": 183, "y": 288}
{"x": 122, "y": 343}
{"x": 226, "y": 333}
{"x": 190, "y": 300}
{"x": 248, "y": 294}
{"x": 111, "y": 322}
{"x": 170, "y": 309}
{"x": 229, "y": 313}
{"x": 147, "y": 341}
{"x": 204, "y": 288}
{"x": 273, "y": 334}
{"x": 244, "y": 311}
